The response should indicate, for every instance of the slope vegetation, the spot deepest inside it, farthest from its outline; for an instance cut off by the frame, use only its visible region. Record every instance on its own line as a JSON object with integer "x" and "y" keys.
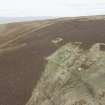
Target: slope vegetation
{"x": 24, "y": 47}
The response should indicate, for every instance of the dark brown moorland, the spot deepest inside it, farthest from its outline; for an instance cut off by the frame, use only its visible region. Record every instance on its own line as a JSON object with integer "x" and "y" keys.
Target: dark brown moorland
{"x": 24, "y": 46}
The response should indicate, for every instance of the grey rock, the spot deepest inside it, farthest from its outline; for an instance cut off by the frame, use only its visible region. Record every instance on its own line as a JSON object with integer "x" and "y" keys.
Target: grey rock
{"x": 73, "y": 76}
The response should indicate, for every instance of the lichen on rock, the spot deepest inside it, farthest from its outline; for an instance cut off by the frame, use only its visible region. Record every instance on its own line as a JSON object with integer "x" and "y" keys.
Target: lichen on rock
{"x": 73, "y": 76}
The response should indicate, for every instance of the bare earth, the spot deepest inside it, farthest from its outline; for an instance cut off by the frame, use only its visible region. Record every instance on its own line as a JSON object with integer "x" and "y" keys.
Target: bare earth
{"x": 24, "y": 47}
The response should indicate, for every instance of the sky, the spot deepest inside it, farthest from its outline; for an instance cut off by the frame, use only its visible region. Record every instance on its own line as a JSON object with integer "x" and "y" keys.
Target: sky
{"x": 54, "y": 8}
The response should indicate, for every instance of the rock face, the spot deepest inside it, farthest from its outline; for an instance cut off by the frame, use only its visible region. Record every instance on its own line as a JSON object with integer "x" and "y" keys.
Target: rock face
{"x": 73, "y": 76}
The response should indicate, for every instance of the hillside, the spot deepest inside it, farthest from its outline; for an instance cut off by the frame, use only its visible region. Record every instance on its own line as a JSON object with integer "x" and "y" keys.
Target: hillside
{"x": 24, "y": 47}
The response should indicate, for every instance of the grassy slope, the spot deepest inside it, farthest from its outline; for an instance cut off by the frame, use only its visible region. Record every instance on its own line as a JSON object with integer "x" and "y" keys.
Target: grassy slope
{"x": 23, "y": 47}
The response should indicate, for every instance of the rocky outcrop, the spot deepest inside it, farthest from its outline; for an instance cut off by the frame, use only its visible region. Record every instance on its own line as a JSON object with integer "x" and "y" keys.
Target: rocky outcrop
{"x": 73, "y": 76}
